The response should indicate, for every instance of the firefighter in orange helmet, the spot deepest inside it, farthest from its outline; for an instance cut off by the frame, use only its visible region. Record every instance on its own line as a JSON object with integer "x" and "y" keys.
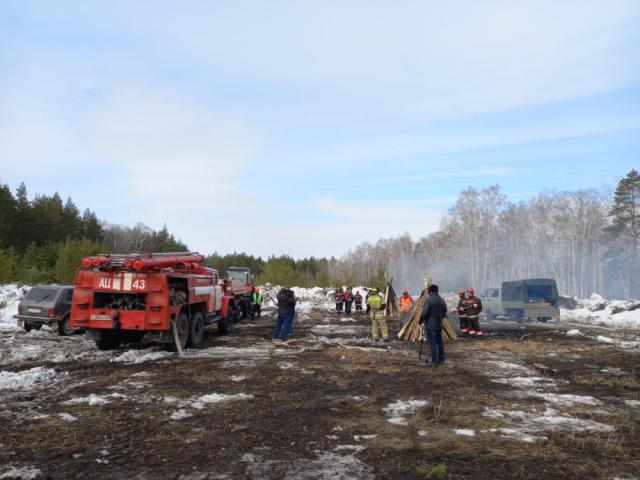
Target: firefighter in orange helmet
{"x": 473, "y": 308}
{"x": 406, "y": 303}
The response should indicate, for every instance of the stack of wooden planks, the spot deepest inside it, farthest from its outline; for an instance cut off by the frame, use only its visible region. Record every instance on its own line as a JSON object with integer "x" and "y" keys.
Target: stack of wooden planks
{"x": 412, "y": 330}
{"x": 392, "y": 308}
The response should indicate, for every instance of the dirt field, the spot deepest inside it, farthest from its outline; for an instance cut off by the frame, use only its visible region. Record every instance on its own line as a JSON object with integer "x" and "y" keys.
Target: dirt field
{"x": 526, "y": 401}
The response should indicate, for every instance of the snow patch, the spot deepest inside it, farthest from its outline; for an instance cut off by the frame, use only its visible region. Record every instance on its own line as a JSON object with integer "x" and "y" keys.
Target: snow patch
{"x": 67, "y": 417}
{"x": 330, "y": 465}
{"x": 465, "y": 432}
{"x": 573, "y": 333}
{"x": 180, "y": 414}
{"x": 91, "y": 399}
{"x": 25, "y": 473}
{"x": 397, "y": 410}
{"x": 548, "y": 421}
{"x": 238, "y": 378}
{"x": 26, "y": 379}
{"x": 141, "y": 356}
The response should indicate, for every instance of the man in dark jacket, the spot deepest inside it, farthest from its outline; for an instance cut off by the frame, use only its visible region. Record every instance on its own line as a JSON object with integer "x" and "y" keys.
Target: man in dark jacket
{"x": 433, "y": 313}
{"x": 286, "y": 312}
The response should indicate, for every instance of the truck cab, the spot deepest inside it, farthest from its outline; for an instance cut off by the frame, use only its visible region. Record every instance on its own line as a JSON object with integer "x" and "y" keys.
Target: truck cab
{"x": 492, "y": 302}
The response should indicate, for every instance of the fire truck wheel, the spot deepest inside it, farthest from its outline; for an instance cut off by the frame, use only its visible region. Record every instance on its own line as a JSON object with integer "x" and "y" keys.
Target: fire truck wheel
{"x": 196, "y": 330}
{"x": 182, "y": 326}
{"x": 107, "y": 339}
{"x": 226, "y": 326}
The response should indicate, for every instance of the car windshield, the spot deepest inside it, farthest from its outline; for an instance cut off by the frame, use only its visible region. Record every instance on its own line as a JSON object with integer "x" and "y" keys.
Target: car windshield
{"x": 38, "y": 294}
{"x": 537, "y": 293}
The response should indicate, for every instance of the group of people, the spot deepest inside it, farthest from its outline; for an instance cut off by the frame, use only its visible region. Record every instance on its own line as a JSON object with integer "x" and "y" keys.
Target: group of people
{"x": 432, "y": 316}
{"x": 435, "y": 311}
{"x": 345, "y": 298}
{"x": 469, "y": 309}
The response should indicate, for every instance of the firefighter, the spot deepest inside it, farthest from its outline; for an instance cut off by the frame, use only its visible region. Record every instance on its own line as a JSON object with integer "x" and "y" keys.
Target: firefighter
{"x": 256, "y": 301}
{"x": 462, "y": 313}
{"x": 357, "y": 298}
{"x": 378, "y": 322}
{"x": 473, "y": 308}
{"x": 406, "y": 303}
{"x": 348, "y": 300}
{"x": 339, "y": 296}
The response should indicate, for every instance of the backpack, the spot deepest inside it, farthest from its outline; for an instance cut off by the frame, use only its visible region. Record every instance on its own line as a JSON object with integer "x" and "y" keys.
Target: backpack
{"x": 347, "y": 295}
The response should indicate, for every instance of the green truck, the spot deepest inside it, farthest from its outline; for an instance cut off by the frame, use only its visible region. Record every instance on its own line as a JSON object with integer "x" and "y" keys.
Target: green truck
{"x": 530, "y": 299}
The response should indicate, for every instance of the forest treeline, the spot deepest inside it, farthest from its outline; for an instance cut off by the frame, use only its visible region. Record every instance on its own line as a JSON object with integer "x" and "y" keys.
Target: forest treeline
{"x": 43, "y": 240}
{"x": 587, "y": 240}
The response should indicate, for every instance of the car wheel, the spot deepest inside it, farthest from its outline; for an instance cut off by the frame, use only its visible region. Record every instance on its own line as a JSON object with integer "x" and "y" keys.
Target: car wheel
{"x": 64, "y": 328}
{"x": 27, "y": 326}
{"x": 196, "y": 330}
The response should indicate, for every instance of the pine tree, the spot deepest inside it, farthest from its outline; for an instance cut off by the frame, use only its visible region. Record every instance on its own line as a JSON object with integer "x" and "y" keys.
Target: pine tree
{"x": 7, "y": 216}
{"x": 624, "y": 230}
{"x": 23, "y": 234}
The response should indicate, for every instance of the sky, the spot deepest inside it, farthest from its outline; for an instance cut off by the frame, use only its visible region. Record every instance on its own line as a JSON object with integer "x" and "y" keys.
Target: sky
{"x": 306, "y": 128}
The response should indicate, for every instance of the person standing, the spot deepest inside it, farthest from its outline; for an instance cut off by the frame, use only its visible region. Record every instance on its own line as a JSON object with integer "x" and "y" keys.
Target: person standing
{"x": 339, "y": 296}
{"x": 256, "y": 301}
{"x": 433, "y": 313}
{"x": 462, "y": 312}
{"x": 357, "y": 298}
{"x": 291, "y": 299}
{"x": 474, "y": 309}
{"x": 406, "y": 303}
{"x": 348, "y": 300}
{"x": 376, "y": 313}
{"x": 286, "y": 311}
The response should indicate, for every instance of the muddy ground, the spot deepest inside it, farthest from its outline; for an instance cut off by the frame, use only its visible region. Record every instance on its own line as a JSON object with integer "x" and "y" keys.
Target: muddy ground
{"x": 525, "y": 401}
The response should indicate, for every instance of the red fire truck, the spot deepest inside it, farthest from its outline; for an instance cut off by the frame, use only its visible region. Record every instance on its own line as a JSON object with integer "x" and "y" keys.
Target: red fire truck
{"x": 119, "y": 298}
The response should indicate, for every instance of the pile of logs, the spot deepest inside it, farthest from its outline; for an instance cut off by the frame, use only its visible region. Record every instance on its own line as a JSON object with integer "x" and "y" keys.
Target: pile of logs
{"x": 390, "y": 298}
{"x": 412, "y": 330}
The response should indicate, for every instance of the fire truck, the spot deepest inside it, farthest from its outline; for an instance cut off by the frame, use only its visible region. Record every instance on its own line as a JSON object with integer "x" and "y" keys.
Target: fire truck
{"x": 119, "y": 298}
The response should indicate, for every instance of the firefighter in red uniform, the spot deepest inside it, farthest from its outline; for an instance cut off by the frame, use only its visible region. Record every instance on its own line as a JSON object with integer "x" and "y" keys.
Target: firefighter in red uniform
{"x": 462, "y": 313}
{"x": 473, "y": 308}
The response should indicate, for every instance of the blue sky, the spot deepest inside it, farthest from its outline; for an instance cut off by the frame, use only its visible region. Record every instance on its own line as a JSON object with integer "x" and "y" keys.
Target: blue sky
{"x": 308, "y": 127}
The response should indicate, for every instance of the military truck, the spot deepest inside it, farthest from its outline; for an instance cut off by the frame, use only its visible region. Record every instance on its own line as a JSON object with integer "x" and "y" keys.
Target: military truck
{"x": 530, "y": 299}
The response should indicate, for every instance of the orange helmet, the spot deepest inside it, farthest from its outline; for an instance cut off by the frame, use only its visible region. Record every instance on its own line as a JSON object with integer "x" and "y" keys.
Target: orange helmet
{"x": 470, "y": 291}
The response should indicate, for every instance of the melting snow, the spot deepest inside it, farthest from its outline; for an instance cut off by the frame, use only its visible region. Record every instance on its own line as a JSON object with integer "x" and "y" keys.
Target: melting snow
{"x": 140, "y": 356}
{"x": 397, "y": 410}
{"x": 91, "y": 399}
{"x": 549, "y": 420}
{"x": 180, "y": 414}
{"x": 25, "y": 473}
{"x": 67, "y": 417}
{"x": 465, "y": 432}
{"x": 573, "y": 333}
{"x": 26, "y": 379}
